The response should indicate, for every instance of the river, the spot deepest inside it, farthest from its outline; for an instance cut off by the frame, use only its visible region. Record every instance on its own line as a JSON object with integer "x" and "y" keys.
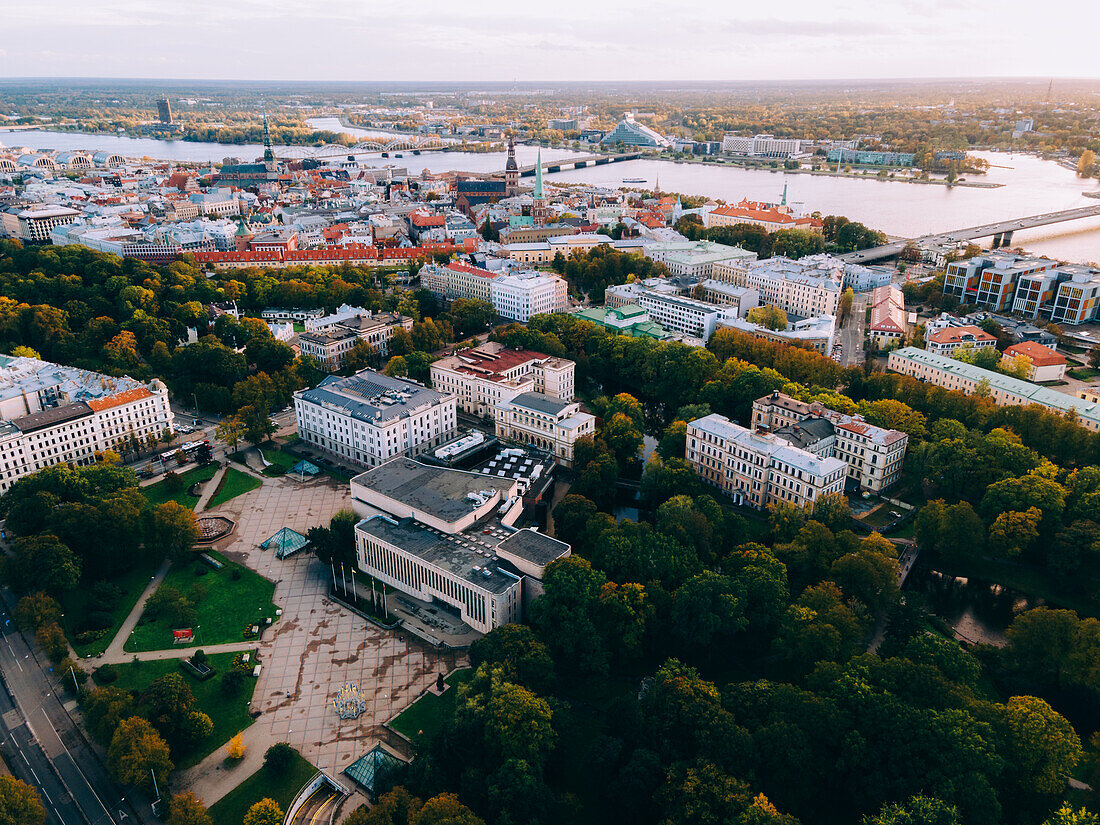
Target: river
{"x": 1029, "y": 185}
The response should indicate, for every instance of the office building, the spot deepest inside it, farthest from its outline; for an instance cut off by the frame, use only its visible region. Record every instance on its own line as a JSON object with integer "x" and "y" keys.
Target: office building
{"x": 1004, "y": 390}
{"x": 52, "y": 414}
{"x": 949, "y": 340}
{"x": 483, "y": 377}
{"x": 1077, "y": 296}
{"x": 519, "y": 295}
{"x": 544, "y": 422}
{"x": 369, "y": 418}
{"x": 696, "y": 259}
{"x": 330, "y": 338}
{"x": 867, "y": 157}
{"x": 989, "y": 281}
{"x": 759, "y": 468}
{"x": 446, "y": 537}
{"x": 164, "y": 110}
{"x": 874, "y": 455}
{"x": 764, "y": 146}
{"x": 673, "y": 311}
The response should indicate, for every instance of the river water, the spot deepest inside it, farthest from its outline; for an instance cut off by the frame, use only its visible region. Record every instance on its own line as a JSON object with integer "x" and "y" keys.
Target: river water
{"x": 1030, "y": 185}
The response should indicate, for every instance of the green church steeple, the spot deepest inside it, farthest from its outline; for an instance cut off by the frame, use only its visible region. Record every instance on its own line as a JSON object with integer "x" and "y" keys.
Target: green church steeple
{"x": 537, "y": 194}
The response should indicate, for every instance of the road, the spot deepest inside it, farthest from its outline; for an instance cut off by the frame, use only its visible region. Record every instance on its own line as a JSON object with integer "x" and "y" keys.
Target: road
{"x": 38, "y": 728}
{"x": 319, "y": 808}
{"x": 851, "y": 333}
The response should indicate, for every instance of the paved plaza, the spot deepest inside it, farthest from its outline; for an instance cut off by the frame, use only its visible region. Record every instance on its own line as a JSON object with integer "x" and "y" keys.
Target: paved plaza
{"x": 314, "y": 648}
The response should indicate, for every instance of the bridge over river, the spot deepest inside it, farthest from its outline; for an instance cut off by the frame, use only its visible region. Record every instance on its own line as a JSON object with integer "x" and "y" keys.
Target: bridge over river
{"x": 1001, "y": 233}
{"x": 573, "y": 163}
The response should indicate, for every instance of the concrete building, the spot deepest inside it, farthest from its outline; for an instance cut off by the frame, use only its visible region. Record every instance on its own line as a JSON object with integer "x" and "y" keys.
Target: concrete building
{"x": 369, "y": 418}
{"x": 330, "y": 338}
{"x": 546, "y": 422}
{"x": 696, "y": 259}
{"x": 446, "y": 537}
{"x": 50, "y": 414}
{"x": 759, "y": 468}
{"x": 36, "y": 224}
{"x": 948, "y": 340}
{"x": 1004, "y": 390}
{"x": 874, "y": 455}
{"x": 484, "y": 377}
{"x": 1046, "y": 364}
{"x": 806, "y": 288}
{"x": 673, "y": 311}
{"x": 519, "y": 295}
{"x": 1077, "y": 295}
{"x": 765, "y": 146}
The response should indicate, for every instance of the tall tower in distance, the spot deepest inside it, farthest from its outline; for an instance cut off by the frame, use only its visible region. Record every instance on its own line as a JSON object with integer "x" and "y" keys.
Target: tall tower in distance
{"x": 539, "y": 210}
{"x": 164, "y": 110}
{"x": 511, "y": 169}
{"x": 269, "y": 155}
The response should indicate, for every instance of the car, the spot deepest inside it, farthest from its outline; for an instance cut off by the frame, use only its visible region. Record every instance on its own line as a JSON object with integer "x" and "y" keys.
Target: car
{"x": 146, "y": 473}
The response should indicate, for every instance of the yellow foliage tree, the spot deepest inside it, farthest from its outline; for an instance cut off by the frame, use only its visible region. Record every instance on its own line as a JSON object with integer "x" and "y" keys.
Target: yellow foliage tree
{"x": 236, "y": 748}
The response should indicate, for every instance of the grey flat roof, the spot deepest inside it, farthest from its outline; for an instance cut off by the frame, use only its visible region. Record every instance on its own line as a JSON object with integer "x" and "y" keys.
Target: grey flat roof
{"x": 437, "y": 491}
{"x": 446, "y": 552}
{"x": 371, "y": 396}
{"x": 51, "y": 416}
{"x": 540, "y": 402}
{"x": 536, "y": 547}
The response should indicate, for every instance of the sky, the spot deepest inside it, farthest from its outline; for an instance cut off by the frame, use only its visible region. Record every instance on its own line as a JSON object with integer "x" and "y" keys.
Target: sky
{"x": 562, "y": 40}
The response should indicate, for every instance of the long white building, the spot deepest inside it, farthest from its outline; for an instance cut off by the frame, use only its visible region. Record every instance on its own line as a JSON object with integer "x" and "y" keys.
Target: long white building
{"x": 369, "y": 418}
{"x": 806, "y": 288}
{"x": 678, "y": 312}
{"x": 447, "y": 537}
{"x": 759, "y": 468}
{"x": 484, "y": 377}
{"x": 51, "y": 414}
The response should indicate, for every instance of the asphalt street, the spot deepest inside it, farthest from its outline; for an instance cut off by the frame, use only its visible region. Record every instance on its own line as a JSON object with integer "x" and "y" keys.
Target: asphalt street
{"x": 38, "y": 732}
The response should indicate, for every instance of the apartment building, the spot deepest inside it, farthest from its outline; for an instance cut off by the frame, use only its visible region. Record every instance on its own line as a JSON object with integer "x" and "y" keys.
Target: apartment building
{"x": 333, "y": 337}
{"x": 484, "y": 377}
{"x": 446, "y": 537}
{"x": 1004, "y": 390}
{"x": 759, "y": 468}
{"x": 50, "y": 414}
{"x": 546, "y": 422}
{"x": 889, "y": 320}
{"x": 519, "y": 295}
{"x": 369, "y": 418}
{"x": 874, "y": 455}
{"x": 805, "y": 288}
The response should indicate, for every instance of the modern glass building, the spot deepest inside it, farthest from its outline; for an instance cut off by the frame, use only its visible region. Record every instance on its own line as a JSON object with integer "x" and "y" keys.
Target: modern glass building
{"x": 631, "y": 133}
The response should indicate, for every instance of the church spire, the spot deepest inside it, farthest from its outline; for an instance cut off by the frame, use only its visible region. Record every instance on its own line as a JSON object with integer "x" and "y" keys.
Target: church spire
{"x": 269, "y": 155}
{"x": 537, "y": 194}
{"x": 784, "y": 194}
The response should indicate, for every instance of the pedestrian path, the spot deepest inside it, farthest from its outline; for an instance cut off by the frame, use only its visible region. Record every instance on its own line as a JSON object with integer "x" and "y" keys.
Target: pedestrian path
{"x": 112, "y": 657}
{"x": 114, "y": 649}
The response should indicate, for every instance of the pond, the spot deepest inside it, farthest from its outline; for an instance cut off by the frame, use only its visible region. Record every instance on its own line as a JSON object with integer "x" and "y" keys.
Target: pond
{"x": 978, "y": 611}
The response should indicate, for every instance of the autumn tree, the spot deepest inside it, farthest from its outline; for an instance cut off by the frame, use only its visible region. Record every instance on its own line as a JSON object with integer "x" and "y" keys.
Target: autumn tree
{"x": 172, "y": 529}
{"x": 137, "y": 754}
{"x": 187, "y": 809}
{"x": 19, "y": 803}
{"x": 264, "y": 812}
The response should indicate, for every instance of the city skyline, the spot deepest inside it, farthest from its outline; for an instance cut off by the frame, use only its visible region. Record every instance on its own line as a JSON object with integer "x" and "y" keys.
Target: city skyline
{"x": 572, "y": 41}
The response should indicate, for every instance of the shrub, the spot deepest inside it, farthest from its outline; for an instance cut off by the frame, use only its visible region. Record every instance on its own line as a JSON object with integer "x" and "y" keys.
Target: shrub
{"x": 105, "y": 674}
{"x": 106, "y": 594}
{"x": 200, "y": 657}
{"x": 279, "y": 758}
{"x": 232, "y": 681}
{"x": 97, "y": 620}
{"x": 173, "y": 482}
{"x": 236, "y": 574}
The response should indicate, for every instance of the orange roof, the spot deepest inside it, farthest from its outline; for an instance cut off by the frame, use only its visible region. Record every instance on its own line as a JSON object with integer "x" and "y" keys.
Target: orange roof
{"x": 954, "y": 335}
{"x": 125, "y": 397}
{"x": 1040, "y": 356}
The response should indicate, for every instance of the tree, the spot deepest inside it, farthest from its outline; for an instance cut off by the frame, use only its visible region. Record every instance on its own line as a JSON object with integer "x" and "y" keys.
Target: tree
{"x": 917, "y": 810}
{"x": 1067, "y": 815}
{"x": 279, "y": 758}
{"x": 236, "y": 748}
{"x": 847, "y": 298}
{"x": 564, "y": 614}
{"x": 51, "y": 638}
{"x": 172, "y": 529}
{"x": 1013, "y": 532}
{"x": 1042, "y": 747}
{"x": 230, "y": 431}
{"x": 444, "y": 809}
{"x": 397, "y": 367}
{"x": 169, "y": 700}
{"x": 768, "y": 316}
{"x": 187, "y": 809}
{"x": 44, "y": 562}
{"x": 105, "y": 708}
{"x": 137, "y": 754}
{"x": 19, "y": 804}
{"x": 258, "y": 426}
{"x": 623, "y": 437}
{"x": 264, "y": 812}
{"x": 708, "y": 611}
{"x": 35, "y": 610}
{"x": 1086, "y": 164}
{"x": 523, "y": 657}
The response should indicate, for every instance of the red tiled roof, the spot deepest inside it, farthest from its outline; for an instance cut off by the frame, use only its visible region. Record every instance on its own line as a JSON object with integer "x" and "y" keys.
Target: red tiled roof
{"x": 1040, "y": 356}
{"x": 954, "y": 335}
{"x": 125, "y": 397}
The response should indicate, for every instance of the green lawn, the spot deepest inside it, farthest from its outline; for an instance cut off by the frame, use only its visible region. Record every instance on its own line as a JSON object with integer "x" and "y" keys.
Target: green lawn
{"x": 228, "y": 713}
{"x": 1083, "y": 374}
{"x": 231, "y": 808}
{"x": 159, "y": 493}
{"x": 234, "y": 483}
{"x": 77, "y": 603}
{"x": 223, "y": 612}
{"x": 279, "y": 458}
{"x": 425, "y": 716}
